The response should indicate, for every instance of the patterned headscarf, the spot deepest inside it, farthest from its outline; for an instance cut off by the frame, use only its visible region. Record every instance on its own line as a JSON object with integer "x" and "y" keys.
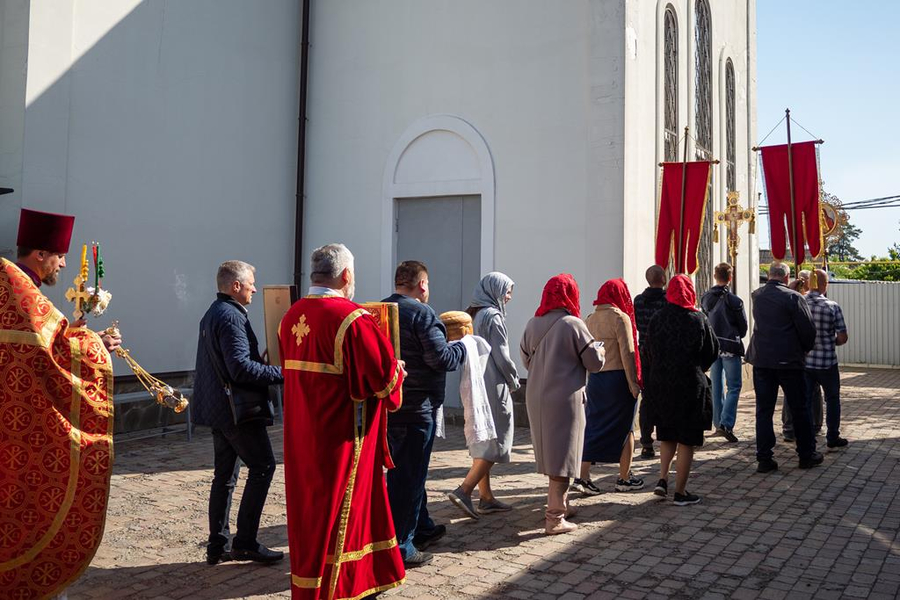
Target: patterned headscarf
{"x": 491, "y": 292}
{"x": 681, "y": 292}
{"x": 615, "y": 292}
{"x": 561, "y": 291}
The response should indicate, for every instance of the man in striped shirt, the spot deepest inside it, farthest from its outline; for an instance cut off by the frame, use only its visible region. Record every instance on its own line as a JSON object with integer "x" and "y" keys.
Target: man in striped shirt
{"x": 822, "y": 362}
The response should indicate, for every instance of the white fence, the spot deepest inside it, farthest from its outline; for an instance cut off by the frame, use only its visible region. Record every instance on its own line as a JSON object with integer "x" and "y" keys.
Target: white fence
{"x": 872, "y": 312}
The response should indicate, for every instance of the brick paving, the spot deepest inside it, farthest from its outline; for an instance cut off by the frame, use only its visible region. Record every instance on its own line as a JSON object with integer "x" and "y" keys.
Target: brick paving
{"x": 829, "y": 532}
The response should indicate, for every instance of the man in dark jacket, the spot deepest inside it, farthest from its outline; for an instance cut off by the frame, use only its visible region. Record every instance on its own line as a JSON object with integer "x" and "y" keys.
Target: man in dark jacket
{"x": 783, "y": 332}
{"x": 229, "y": 347}
{"x": 647, "y": 304}
{"x": 411, "y": 429}
{"x": 728, "y": 320}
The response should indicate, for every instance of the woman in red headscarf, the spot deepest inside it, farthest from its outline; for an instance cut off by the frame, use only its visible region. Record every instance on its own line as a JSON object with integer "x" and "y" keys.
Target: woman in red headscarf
{"x": 613, "y": 392}
{"x": 682, "y": 347}
{"x": 558, "y": 351}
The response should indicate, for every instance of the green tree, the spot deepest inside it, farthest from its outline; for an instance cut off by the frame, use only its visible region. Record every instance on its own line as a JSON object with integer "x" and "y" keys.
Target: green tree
{"x": 881, "y": 270}
{"x": 842, "y": 248}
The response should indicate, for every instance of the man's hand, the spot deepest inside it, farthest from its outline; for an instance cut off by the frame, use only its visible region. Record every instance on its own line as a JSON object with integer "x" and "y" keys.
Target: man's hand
{"x": 110, "y": 341}
{"x": 402, "y": 364}
{"x": 79, "y": 323}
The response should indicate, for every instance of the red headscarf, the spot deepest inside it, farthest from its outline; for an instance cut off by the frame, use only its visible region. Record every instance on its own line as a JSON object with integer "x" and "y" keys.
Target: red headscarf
{"x": 615, "y": 292}
{"x": 681, "y": 292}
{"x": 561, "y": 291}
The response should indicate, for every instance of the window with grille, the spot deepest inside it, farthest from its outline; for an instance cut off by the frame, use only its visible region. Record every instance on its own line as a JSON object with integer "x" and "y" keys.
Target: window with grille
{"x": 670, "y": 92}
{"x": 730, "y": 151}
{"x": 703, "y": 129}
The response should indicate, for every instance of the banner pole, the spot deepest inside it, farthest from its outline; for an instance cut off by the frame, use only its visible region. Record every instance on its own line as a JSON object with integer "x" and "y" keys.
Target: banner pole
{"x": 794, "y": 249}
{"x": 680, "y": 261}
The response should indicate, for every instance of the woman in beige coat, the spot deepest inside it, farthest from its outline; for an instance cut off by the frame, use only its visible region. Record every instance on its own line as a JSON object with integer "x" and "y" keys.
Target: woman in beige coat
{"x": 558, "y": 351}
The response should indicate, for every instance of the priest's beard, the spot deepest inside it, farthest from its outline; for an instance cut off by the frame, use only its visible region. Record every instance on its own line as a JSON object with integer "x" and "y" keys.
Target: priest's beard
{"x": 351, "y": 290}
{"x": 50, "y": 278}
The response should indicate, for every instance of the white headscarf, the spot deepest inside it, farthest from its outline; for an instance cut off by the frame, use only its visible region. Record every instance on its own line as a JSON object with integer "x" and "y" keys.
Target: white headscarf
{"x": 491, "y": 291}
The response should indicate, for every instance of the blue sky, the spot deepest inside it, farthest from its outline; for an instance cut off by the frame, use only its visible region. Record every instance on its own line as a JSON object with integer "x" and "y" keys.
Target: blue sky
{"x": 836, "y": 65}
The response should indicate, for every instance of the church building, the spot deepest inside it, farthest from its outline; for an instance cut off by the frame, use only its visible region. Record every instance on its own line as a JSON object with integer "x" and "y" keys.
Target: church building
{"x": 515, "y": 135}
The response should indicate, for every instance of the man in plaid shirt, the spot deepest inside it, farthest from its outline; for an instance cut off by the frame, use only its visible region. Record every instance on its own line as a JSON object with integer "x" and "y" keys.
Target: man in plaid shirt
{"x": 822, "y": 362}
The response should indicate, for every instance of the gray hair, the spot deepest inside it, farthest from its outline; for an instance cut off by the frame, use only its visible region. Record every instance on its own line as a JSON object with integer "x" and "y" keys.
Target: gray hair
{"x": 778, "y": 270}
{"x": 328, "y": 262}
{"x": 231, "y": 271}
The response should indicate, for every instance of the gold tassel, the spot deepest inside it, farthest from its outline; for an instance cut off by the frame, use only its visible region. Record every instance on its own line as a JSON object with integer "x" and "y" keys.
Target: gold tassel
{"x": 716, "y": 235}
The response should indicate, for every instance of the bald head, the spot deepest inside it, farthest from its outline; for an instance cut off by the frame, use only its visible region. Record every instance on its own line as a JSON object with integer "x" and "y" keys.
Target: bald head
{"x": 656, "y": 276}
{"x": 821, "y": 281}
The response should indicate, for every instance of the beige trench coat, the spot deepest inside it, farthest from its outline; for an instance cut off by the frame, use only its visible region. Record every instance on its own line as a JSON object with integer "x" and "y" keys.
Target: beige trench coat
{"x": 558, "y": 351}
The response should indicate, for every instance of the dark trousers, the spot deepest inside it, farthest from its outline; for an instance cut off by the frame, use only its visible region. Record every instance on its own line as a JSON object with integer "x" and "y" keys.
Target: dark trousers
{"x": 792, "y": 382}
{"x": 830, "y": 382}
{"x": 646, "y": 426}
{"x": 251, "y": 444}
{"x": 816, "y": 410}
{"x": 410, "y": 445}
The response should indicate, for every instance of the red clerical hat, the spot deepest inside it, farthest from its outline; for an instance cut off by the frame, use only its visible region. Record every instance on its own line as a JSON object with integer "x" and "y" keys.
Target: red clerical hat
{"x": 45, "y": 231}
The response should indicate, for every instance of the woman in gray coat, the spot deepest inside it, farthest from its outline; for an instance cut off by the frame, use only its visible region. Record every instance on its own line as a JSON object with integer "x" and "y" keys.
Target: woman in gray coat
{"x": 488, "y": 310}
{"x": 559, "y": 352}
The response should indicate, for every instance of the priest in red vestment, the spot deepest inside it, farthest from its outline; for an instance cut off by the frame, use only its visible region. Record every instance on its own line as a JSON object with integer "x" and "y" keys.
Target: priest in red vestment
{"x": 56, "y": 405}
{"x": 341, "y": 377}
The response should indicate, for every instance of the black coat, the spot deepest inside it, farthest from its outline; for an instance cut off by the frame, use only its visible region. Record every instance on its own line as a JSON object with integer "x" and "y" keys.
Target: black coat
{"x": 238, "y": 358}
{"x": 783, "y": 329}
{"x": 682, "y": 347}
{"x": 725, "y": 312}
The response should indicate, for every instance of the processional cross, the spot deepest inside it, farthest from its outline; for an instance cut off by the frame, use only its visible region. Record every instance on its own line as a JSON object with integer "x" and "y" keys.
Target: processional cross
{"x": 732, "y": 217}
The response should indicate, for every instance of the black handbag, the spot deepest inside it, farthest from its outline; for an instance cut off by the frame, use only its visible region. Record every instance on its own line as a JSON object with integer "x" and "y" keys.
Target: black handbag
{"x": 248, "y": 403}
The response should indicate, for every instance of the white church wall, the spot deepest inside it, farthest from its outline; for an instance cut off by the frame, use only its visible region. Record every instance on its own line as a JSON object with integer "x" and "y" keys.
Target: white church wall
{"x": 535, "y": 79}
{"x": 13, "y": 55}
{"x": 169, "y": 130}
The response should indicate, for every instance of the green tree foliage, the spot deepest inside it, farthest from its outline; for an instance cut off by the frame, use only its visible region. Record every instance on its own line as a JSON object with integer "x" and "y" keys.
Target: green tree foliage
{"x": 880, "y": 269}
{"x": 842, "y": 248}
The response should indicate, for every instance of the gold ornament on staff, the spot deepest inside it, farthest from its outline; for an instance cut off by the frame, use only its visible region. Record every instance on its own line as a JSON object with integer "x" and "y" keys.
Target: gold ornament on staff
{"x": 732, "y": 217}
{"x": 94, "y": 300}
{"x": 162, "y": 392}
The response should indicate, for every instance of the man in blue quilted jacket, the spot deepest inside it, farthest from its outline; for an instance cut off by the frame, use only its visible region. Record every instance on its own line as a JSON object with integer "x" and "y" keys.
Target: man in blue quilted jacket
{"x": 228, "y": 352}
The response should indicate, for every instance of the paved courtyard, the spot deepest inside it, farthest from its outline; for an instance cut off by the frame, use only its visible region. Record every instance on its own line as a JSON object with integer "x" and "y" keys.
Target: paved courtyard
{"x": 829, "y": 532}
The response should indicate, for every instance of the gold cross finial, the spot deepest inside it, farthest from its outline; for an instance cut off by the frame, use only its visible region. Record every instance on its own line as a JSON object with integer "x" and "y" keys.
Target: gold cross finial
{"x": 300, "y": 329}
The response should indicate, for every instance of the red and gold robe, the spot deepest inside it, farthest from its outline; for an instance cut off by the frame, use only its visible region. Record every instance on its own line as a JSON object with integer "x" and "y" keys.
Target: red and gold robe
{"x": 55, "y": 442}
{"x": 341, "y": 377}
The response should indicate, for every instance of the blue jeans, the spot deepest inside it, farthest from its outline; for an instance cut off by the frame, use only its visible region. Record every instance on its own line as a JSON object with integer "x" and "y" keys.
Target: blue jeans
{"x": 725, "y": 405}
{"x": 830, "y": 380}
{"x": 410, "y": 445}
{"x": 793, "y": 384}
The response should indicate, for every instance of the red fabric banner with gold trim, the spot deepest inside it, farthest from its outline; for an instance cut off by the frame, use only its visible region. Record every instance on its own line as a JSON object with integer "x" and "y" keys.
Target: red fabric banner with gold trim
{"x": 693, "y": 179}
{"x": 55, "y": 442}
{"x": 803, "y": 223}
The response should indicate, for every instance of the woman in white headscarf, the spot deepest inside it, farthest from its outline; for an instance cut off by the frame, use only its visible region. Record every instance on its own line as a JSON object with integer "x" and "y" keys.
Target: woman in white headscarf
{"x": 488, "y": 310}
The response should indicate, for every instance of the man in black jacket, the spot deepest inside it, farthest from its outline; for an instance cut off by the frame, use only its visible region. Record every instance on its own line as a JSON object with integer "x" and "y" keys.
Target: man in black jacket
{"x": 726, "y": 316}
{"x": 411, "y": 429}
{"x": 232, "y": 351}
{"x": 783, "y": 332}
{"x": 647, "y": 304}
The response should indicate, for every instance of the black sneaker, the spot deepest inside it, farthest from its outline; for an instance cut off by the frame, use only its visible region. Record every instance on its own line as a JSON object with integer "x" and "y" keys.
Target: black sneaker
{"x": 838, "y": 443}
{"x": 718, "y": 432}
{"x": 767, "y": 466}
{"x": 789, "y": 437}
{"x": 662, "y": 488}
{"x": 814, "y": 460}
{"x": 647, "y": 452}
{"x": 215, "y": 557}
{"x": 586, "y": 487}
{"x": 261, "y": 555}
{"x": 423, "y": 541}
{"x": 417, "y": 559}
{"x": 685, "y": 498}
{"x": 629, "y": 485}
{"x": 728, "y": 434}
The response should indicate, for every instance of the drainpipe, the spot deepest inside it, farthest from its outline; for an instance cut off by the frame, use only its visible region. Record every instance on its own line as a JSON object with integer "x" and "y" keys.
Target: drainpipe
{"x": 301, "y": 146}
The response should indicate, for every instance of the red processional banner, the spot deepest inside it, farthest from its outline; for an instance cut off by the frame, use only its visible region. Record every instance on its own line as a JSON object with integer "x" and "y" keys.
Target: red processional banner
{"x": 55, "y": 442}
{"x": 686, "y": 183}
{"x": 802, "y": 225}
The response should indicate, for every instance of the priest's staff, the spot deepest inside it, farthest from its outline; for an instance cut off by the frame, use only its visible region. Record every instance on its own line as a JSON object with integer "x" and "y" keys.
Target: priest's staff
{"x": 787, "y": 116}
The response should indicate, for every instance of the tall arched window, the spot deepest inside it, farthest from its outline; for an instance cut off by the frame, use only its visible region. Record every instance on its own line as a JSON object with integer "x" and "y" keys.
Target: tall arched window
{"x": 730, "y": 175}
{"x": 670, "y": 83}
{"x": 703, "y": 127}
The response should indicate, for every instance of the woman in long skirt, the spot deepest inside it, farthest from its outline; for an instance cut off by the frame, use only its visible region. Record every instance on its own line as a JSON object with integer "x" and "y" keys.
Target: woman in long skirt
{"x": 612, "y": 394}
{"x": 488, "y": 310}
{"x": 559, "y": 352}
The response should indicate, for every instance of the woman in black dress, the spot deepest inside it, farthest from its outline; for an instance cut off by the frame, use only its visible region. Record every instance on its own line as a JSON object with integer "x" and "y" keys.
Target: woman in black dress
{"x": 682, "y": 347}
